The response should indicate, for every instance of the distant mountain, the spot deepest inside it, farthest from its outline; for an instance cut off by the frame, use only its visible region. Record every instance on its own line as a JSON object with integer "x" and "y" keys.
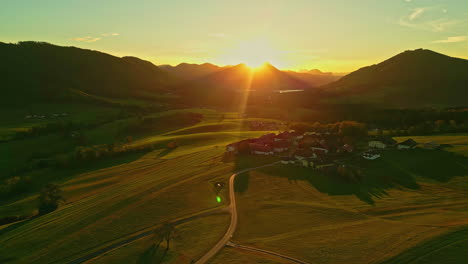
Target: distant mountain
{"x": 315, "y": 77}
{"x": 233, "y": 84}
{"x": 36, "y": 71}
{"x": 186, "y": 71}
{"x": 418, "y": 78}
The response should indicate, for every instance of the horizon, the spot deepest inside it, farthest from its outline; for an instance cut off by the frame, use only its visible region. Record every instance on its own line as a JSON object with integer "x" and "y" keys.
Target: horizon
{"x": 332, "y": 36}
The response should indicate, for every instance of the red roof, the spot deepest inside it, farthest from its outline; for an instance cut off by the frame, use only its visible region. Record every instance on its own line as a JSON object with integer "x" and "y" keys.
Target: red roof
{"x": 280, "y": 144}
{"x": 304, "y": 153}
{"x": 347, "y": 147}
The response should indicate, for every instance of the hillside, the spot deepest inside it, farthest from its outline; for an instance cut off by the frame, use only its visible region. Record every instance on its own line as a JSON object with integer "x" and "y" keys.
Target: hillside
{"x": 419, "y": 78}
{"x": 229, "y": 86}
{"x": 187, "y": 71}
{"x": 315, "y": 77}
{"x": 35, "y": 71}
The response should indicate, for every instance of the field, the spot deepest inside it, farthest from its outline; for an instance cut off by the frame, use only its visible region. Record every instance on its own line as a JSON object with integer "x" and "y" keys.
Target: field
{"x": 401, "y": 206}
{"x": 458, "y": 142}
{"x": 111, "y": 201}
{"x": 406, "y": 204}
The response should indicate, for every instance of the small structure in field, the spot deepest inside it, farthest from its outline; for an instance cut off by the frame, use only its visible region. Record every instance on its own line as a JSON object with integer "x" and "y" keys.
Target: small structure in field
{"x": 407, "y": 144}
{"x": 347, "y": 148}
{"x": 431, "y": 145}
{"x": 371, "y": 155}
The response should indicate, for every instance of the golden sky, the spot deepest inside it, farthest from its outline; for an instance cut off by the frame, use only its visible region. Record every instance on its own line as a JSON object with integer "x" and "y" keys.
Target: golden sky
{"x": 331, "y": 35}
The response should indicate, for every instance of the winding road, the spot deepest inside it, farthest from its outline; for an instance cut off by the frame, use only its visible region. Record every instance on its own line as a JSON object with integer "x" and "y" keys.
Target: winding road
{"x": 225, "y": 240}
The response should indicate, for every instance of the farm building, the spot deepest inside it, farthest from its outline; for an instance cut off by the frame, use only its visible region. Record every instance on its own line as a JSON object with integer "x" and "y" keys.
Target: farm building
{"x": 347, "y": 148}
{"x": 407, "y": 144}
{"x": 377, "y": 144}
{"x": 260, "y": 149}
{"x": 304, "y": 154}
{"x": 287, "y": 160}
{"x": 431, "y": 145}
{"x": 280, "y": 146}
{"x": 381, "y": 142}
{"x": 371, "y": 155}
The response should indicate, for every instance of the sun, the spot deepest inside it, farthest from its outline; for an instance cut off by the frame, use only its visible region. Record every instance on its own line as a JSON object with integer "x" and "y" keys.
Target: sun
{"x": 254, "y": 53}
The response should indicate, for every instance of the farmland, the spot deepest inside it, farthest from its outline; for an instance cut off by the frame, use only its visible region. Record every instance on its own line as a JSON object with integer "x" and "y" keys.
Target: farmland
{"x": 406, "y": 203}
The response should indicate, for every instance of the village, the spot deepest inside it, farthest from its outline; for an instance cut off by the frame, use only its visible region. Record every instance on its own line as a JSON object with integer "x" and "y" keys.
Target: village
{"x": 319, "y": 151}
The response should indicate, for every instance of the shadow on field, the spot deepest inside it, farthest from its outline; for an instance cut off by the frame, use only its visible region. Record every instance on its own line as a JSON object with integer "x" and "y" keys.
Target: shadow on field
{"x": 395, "y": 170}
{"x": 41, "y": 177}
{"x": 242, "y": 162}
{"x": 166, "y": 152}
{"x": 446, "y": 248}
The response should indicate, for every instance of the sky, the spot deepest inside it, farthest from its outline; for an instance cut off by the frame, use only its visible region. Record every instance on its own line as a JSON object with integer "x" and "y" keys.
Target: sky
{"x": 330, "y": 35}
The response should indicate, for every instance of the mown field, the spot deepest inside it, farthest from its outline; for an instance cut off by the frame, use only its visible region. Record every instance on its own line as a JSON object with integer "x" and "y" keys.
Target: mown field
{"x": 113, "y": 200}
{"x": 410, "y": 207}
{"x": 407, "y": 203}
{"x": 458, "y": 142}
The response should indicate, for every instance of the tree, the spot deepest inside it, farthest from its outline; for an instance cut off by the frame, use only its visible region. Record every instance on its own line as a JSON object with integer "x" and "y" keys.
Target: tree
{"x": 166, "y": 232}
{"x": 50, "y": 199}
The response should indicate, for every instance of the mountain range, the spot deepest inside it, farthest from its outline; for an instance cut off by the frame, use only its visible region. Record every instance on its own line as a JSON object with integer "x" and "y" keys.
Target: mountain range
{"x": 36, "y": 71}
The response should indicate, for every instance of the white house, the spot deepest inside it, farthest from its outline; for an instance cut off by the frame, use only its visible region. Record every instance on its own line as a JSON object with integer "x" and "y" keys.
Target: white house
{"x": 407, "y": 144}
{"x": 377, "y": 144}
{"x": 371, "y": 155}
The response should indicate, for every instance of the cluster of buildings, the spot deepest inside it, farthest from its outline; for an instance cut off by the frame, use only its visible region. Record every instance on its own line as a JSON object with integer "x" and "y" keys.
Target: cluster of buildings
{"x": 312, "y": 150}
{"x": 44, "y": 116}
{"x": 379, "y": 143}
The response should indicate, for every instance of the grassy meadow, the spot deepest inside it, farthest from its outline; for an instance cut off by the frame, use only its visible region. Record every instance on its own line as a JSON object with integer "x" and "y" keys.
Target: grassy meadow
{"x": 405, "y": 205}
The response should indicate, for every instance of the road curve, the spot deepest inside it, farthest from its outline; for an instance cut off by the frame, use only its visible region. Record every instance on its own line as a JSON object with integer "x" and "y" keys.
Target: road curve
{"x": 232, "y": 226}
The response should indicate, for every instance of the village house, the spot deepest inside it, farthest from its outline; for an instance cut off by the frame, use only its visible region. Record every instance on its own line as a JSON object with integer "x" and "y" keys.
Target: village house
{"x": 308, "y": 163}
{"x": 382, "y": 142}
{"x": 287, "y": 160}
{"x": 304, "y": 154}
{"x": 323, "y": 163}
{"x": 377, "y": 144}
{"x": 231, "y": 147}
{"x": 280, "y": 146}
{"x": 371, "y": 155}
{"x": 407, "y": 144}
{"x": 319, "y": 149}
{"x": 284, "y": 136}
{"x": 260, "y": 149}
{"x": 347, "y": 148}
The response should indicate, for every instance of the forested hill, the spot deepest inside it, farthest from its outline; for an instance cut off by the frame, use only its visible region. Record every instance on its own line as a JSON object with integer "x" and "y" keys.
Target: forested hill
{"x": 37, "y": 71}
{"x": 418, "y": 78}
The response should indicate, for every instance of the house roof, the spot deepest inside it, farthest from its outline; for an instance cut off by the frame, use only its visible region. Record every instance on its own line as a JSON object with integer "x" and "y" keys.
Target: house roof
{"x": 347, "y": 147}
{"x": 304, "y": 153}
{"x": 259, "y": 147}
{"x": 409, "y": 142}
{"x": 385, "y": 140}
{"x": 280, "y": 144}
